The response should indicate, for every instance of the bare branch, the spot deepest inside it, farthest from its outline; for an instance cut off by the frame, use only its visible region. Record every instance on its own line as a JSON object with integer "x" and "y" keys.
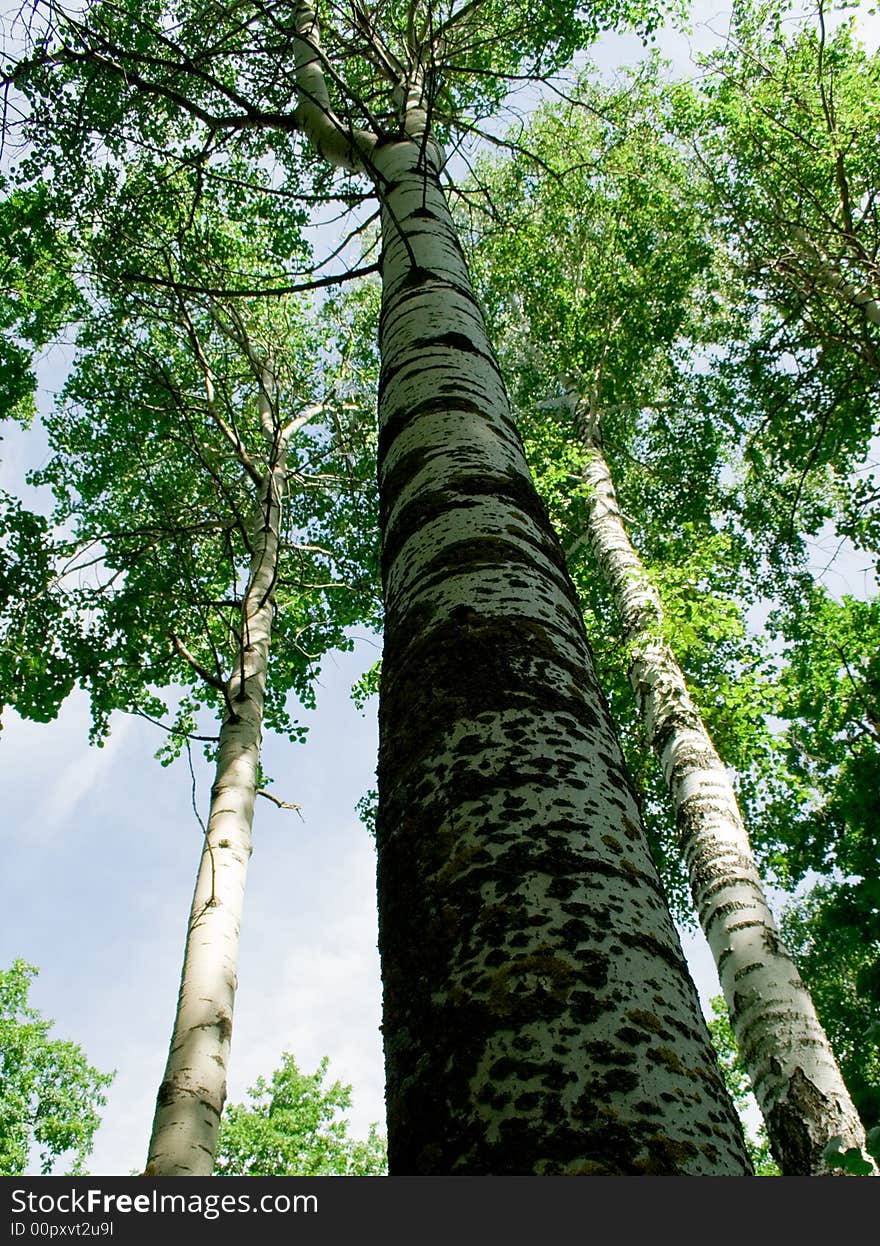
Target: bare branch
{"x": 282, "y": 804}
{"x": 226, "y": 429}
{"x": 220, "y": 292}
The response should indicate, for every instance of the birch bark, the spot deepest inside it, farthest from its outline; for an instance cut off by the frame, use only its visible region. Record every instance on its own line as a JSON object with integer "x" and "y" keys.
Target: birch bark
{"x": 538, "y": 1013}
{"x": 539, "y": 1017}
{"x": 793, "y": 1071}
{"x": 827, "y": 273}
{"x": 193, "y": 1090}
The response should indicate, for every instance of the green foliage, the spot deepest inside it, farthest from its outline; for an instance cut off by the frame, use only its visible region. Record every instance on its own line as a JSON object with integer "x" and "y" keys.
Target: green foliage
{"x": 815, "y": 808}
{"x": 785, "y": 124}
{"x": 367, "y": 686}
{"x": 49, "y": 1093}
{"x": 695, "y": 260}
{"x": 147, "y": 450}
{"x": 36, "y": 637}
{"x": 738, "y": 1086}
{"x": 733, "y": 404}
{"x": 294, "y": 1125}
{"x": 602, "y": 280}
{"x": 852, "y": 1162}
{"x": 37, "y": 292}
{"x": 183, "y": 77}
{"x": 366, "y": 809}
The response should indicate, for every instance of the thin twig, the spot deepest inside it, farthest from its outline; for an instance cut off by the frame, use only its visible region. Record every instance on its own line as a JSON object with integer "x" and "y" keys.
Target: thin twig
{"x": 282, "y": 804}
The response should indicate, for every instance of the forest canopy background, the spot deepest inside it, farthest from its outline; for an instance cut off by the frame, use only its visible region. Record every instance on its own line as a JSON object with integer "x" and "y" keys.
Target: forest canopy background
{"x": 108, "y": 947}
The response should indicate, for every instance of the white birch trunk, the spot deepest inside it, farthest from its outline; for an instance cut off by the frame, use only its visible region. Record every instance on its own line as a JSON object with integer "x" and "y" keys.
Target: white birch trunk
{"x": 193, "y": 1090}
{"x": 539, "y": 1017}
{"x": 827, "y": 273}
{"x": 793, "y": 1071}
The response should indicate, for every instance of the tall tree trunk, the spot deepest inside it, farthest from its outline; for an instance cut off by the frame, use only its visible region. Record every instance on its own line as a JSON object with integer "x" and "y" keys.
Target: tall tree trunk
{"x": 791, "y": 1065}
{"x": 538, "y": 1013}
{"x": 193, "y": 1090}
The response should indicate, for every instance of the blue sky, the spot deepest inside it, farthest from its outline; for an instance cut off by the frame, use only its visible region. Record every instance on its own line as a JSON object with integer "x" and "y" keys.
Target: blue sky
{"x": 101, "y": 847}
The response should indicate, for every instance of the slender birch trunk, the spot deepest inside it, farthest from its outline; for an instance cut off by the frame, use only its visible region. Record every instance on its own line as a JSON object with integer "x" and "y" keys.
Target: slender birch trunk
{"x": 538, "y": 1013}
{"x": 193, "y": 1090}
{"x": 793, "y": 1071}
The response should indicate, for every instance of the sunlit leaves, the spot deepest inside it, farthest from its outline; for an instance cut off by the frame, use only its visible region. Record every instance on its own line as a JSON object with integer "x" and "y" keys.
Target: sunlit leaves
{"x": 784, "y": 125}
{"x": 156, "y": 445}
{"x": 49, "y": 1093}
{"x": 37, "y": 294}
{"x": 829, "y": 695}
{"x": 598, "y": 271}
{"x": 294, "y": 1125}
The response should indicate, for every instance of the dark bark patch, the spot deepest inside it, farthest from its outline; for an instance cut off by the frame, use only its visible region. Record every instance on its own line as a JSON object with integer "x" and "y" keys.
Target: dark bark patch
{"x": 665, "y": 1056}
{"x": 416, "y": 277}
{"x": 168, "y": 1093}
{"x": 667, "y": 1156}
{"x": 629, "y": 1034}
{"x": 518, "y": 988}
{"x": 461, "y": 492}
{"x": 452, "y": 341}
{"x": 457, "y": 671}
{"x": 793, "y": 1124}
{"x": 648, "y": 1021}
{"x": 391, "y": 428}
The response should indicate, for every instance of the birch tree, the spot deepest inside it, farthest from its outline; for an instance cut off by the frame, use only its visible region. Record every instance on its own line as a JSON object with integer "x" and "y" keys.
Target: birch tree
{"x": 482, "y": 872}
{"x": 197, "y": 458}
{"x": 538, "y": 1014}
{"x": 612, "y": 300}
{"x": 787, "y": 128}
{"x": 791, "y": 1065}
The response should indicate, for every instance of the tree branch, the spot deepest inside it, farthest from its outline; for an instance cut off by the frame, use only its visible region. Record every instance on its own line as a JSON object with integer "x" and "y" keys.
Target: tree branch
{"x": 212, "y": 679}
{"x": 221, "y": 293}
{"x": 282, "y": 804}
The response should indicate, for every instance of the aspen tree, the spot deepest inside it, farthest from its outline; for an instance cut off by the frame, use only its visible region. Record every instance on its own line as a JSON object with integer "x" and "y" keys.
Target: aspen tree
{"x": 793, "y": 1071}
{"x": 539, "y": 1016}
{"x": 194, "y": 445}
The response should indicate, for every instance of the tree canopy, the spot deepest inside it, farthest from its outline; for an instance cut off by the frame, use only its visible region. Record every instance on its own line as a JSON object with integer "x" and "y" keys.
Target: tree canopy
{"x": 696, "y": 261}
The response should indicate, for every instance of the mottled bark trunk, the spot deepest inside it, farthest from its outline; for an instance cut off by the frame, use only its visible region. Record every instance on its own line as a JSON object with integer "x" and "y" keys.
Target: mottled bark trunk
{"x": 794, "y": 1074}
{"x": 193, "y": 1090}
{"x": 538, "y": 1013}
